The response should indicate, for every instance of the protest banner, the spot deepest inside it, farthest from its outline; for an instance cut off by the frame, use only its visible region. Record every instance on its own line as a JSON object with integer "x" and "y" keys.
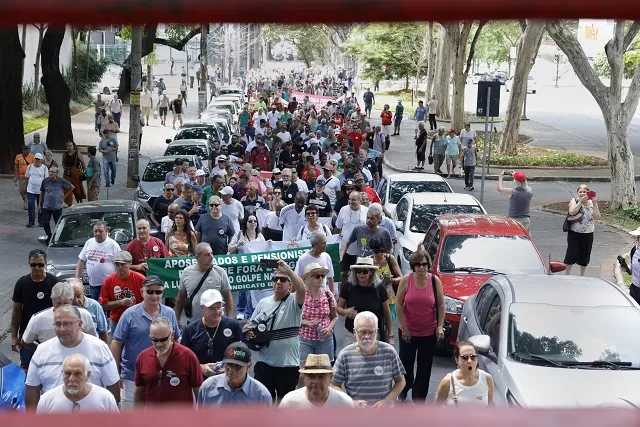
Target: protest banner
{"x": 317, "y": 100}
{"x": 244, "y": 271}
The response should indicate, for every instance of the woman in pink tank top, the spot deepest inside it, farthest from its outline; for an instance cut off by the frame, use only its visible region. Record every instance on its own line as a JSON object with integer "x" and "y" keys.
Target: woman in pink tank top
{"x": 420, "y": 310}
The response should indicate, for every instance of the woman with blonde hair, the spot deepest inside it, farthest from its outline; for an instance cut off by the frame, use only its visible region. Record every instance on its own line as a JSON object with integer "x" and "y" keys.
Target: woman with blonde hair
{"x": 584, "y": 209}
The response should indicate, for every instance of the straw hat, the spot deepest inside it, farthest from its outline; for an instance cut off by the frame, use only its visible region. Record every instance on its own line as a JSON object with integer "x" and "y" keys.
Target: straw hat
{"x": 317, "y": 364}
{"x": 364, "y": 263}
{"x": 314, "y": 268}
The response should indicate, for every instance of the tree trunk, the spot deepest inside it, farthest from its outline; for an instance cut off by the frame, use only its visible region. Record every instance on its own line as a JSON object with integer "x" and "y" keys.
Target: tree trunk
{"x": 58, "y": 95}
{"x": 148, "y": 37}
{"x": 527, "y": 51}
{"x": 149, "y": 78}
{"x": 459, "y": 35}
{"x": 431, "y": 71}
{"x": 22, "y": 44}
{"x": 74, "y": 64}
{"x": 443, "y": 74}
{"x": 406, "y": 82}
{"x": 86, "y": 65}
{"x": 621, "y": 165}
{"x": 36, "y": 73}
{"x": 11, "y": 126}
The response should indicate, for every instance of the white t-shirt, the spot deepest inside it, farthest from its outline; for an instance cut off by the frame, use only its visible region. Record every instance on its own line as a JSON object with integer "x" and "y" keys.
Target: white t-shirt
{"x": 331, "y": 188}
{"x": 115, "y": 105}
{"x": 40, "y": 326}
{"x": 45, "y": 368}
{"x": 298, "y": 399}
{"x": 235, "y": 211}
{"x": 348, "y": 220}
{"x": 324, "y": 260}
{"x": 302, "y": 186}
{"x": 35, "y": 175}
{"x": 284, "y": 136}
{"x": 99, "y": 259}
{"x": 166, "y": 223}
{"x": 273, "y": 118}
{"x": 272, "y": 221}
{"x": 433, "y": 106}
{"x": 466, "y": 136}
{"x": 291, "y": 221}
{"x": 98, "y": 400}
{"x": 334, "y": 156}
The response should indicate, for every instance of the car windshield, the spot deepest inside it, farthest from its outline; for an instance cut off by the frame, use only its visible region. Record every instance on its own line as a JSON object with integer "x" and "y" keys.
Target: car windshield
{"x": 74, "y": 230}
{"x": 223, "y": 130}
{"x": 574, "y": 334}
{"x": 504, "y": 254}
{"x": 226, "y": 91}
{"x": 156, "y": 171}
{"x": 197, "y": 133}
{"x": 400, "y": 188}
{"x": 423, "y": 215}
{"x": 186, "y": 150}
{"x": 228, "y": 107}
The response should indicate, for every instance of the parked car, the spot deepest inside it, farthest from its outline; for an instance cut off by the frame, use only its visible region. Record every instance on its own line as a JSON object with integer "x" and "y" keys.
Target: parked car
{"x": 225, "y": 105}
{"x": 221, "y": 123}
{"x": 75, "y": 227}
{"x": 500, "y": 76}
{"x": 392, "y": 187}
{"x": 152, "y": 181}
{"x": 556, "y": 341}
{"x": 204, "y": 131}
{"x": 468, "y": 249}
{"x": 213, "y": 112}
{"x": 187, "y": 147}
{"x": 415, "y": 212}
{"x": 532, "y": 84}
{"x": 235, "y": 99}
{"x": 478, "y": 77}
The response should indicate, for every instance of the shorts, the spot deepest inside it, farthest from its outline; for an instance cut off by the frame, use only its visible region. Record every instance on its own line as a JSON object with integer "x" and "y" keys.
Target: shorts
{"x": 308, "y": 347}
{"x": 145, "y": 111}
{"x": 163, "y": 110}
{"x": 420, "y": 155}
{"x": 347, "y": 262}
{"x": 397, "y": 120}
{"x": 451, "y": 160}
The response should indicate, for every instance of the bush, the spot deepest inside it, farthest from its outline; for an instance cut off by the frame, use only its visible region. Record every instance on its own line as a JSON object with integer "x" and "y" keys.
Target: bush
{"x": 89, "y": 71}
{"x": 27, "y": 97}
{"x": 553, "y": 159}
{"x": 632, "y": 212}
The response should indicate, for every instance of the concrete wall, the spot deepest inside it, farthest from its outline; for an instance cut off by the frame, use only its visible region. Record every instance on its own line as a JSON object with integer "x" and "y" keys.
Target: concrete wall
{"x": 31, "y": 47}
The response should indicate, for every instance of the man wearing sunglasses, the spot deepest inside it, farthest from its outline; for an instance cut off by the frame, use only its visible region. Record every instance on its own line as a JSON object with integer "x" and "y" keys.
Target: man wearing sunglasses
{"x": 131, "y": 336}
{"x": 166, "y": 372}
{"x": 211, "y": 333}
{"x": 161, "y": 204}
{"x": 216, "y": 229}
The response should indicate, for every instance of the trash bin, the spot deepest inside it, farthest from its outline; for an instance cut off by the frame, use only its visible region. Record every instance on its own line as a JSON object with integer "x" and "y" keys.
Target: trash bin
{"x": 191, "y": 82}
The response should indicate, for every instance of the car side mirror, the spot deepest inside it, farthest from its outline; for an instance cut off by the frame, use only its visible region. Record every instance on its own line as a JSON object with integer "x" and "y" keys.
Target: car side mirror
{"x": 557, "y": 266}
{"x": 168, "y": 140}
{"x": 136, "y": 178}
{"x": 399, "y": 225}
{"x": 482, "y": 343}
{"x": 43, "y": 240}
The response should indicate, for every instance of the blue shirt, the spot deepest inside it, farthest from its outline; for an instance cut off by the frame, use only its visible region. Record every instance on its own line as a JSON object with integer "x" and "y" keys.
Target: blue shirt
{"x": 216, "y": 391}
{"x": 97, "y": 313}
{"x": 421, "y": 113}
{"x": 133, "y": 332}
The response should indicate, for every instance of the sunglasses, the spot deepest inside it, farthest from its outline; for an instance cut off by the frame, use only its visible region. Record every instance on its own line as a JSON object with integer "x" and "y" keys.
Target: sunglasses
{"x": 160, "y": 339}
{"x": 169, "y": 189}
{"x": 319, "y": 276}
{"x": 252, "y": 221}
{"x": 214, "y": 204}
{"x": 468, "y": 357}
{"x": 154, "y": 292}
{"x": 280, "y": 279}
{"x": 421, "y": 264}
{"x": 362, "y": 271}
{"x": 277, "y": 193}
{"x": 36, "y": 264}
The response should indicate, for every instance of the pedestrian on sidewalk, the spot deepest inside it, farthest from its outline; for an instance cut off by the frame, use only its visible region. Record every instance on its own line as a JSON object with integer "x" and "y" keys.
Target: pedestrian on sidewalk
{"x": 453, "y": 152}
{"x": 421, "y": 146}
{"x": 386, "y": 117}
{"x": 469, "y": 159}
{"x": 52, "y": 192}
{"x": 369, "y": 100}
{"x": 108, "y": 147}
{"x": 36, "y": 173}
{"x": 183, "y": 91}
{"x": 176, "y": 109}
{"x": 102, "y": 120}
{"x": 419, "y": 116}
{"x": 634, "y": 272}
{"x": 94, "y": 172}
{"x": 115, "y": 107}
{"x": 580, "y": 235}
{"x": 519, "y": 199}
{"x": 74, "y": 168}
{"x": 98, "y": 105}
{"x": 398, "y": 118}
{"x": 22, "y": 161}
{"x": 146, "y": 104}
{"x": 162, "y": 86}
{"x": 163, "y": 107}
{"x": 433, "y": 110}
{"x": 437, "y": 149}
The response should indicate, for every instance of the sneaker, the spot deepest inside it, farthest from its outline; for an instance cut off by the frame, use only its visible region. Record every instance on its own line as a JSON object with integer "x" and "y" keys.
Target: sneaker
{"x": 29, "y": 225}
{"x": 471, "y": 188}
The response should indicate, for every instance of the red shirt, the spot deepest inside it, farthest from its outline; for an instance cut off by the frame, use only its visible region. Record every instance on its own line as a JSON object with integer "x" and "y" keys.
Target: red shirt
{"x": 386, "y": 117}
{"x": 338, "y": 119}
{"x": 114, "y": 288}
{"x": 356, "y": 137}
{"x": 262, "y": 159}
{"x": 305, "y": 173}
{"x": 373, "y": 196}
{"x": 180, "y": 373}
{"x": 153, "y": 249}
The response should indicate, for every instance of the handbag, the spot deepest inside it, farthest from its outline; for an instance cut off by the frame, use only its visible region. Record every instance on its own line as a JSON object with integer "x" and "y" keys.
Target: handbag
{"x": 430, "y": 159}
{"x": 570, "y": 219}
{"x": 188, "y": 302}
{"x": 453, "y": 389}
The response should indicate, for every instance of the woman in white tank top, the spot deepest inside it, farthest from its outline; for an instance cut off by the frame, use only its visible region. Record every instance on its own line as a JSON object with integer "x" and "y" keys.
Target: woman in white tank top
{"x": 467, "y": 385}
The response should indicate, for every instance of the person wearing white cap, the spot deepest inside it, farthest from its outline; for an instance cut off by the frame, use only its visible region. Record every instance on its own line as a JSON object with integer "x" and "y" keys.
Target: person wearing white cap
{"x": 211, "y": 333}
{"x": 232, "y": 207}
{"x": 201, "y": 178}
{"x": 221, "y": 164}
{"x": 633, "y": 271}
{"x": 36, "y": 173}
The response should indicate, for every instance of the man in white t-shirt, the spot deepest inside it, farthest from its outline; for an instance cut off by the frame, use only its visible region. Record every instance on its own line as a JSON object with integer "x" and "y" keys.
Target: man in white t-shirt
{"x": 76, "y": 393}
{"x": 292, "y": 217}
{"x": 232, "y": 207}
{"x": 467, "y": 134}
{"x": 45, "y": 369}
{"x": 317, "y": 391}
{"x": 349, "y": 217}
{"x": 318, "y": 255}
{"x": 272, "y": 117}
{"x": 97, "y": 255}
{"x": 35, "y": 174}
{"x": 331, "y": 184}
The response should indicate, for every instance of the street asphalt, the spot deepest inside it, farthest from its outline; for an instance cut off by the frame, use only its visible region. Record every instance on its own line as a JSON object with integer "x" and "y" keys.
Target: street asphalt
{"x": 575, "y": 131}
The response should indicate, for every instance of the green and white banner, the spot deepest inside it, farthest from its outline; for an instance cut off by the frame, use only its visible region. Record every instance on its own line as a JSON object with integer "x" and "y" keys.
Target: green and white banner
{"x": 243, "y": 269}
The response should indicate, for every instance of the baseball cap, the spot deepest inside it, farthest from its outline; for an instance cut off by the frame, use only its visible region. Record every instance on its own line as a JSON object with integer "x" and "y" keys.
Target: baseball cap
{"x": 226, "y": 191}
{"x": 210, "y": 297}
{"x": 151, "y": 280}
{"x": 328, "y": 167}
{"x": 333, "y": 145}
{"x": 197, "y": 189}
{"x": 519, "y": 176}
{"x": 200, "y": 172}
{"x": 320, "y": 181}
{"x": 276, "y": 171}
{"x": 38, "y": 156}
{"x": 349, "y": 183}
{"x": 237, "y": 353}
{"x": 356, "y": 162}
{"x": 221, "y": 157}
{"x": 122, "y": 256}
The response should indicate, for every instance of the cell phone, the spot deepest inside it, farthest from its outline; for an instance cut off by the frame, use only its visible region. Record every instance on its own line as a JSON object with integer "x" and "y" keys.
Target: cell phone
{"x": 266, "y": 263}
{"x": 591, "y": 194}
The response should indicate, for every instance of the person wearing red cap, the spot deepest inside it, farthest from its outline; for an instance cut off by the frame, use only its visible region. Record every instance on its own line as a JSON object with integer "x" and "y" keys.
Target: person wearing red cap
{"x": 519, "y": 198}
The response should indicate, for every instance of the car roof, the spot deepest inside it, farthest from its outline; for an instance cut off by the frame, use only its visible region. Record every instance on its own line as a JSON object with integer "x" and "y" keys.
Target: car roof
{"x": 493, "y": 225}
{"x": 195, "y": 125}
{"x": 230, "y": 87}
{"x": 189, "y": 142}
{"x": 443, "y": 199}
{"x": 102, "y": 206}
{"x": 221, "y": 102}
{"x": 164, "y": 159}
{"x": 415, "y": 177}
{"x": 562, "y": 289}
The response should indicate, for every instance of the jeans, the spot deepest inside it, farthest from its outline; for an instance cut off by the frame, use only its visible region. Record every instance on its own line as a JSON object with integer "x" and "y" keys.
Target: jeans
{"x": 116, "y": 118}
{"x": 32, "y": 201}
{"x": 433, "y": 125}
{"x": 108, "y": 166}
{"x": 469, "y": 171}
{"x": 308, "y": 347}
{"x": 425, "y": 347}
{"x": 244, "y": 305}
{"x": 46, "y": 219}
{"x": 94, "y": 292}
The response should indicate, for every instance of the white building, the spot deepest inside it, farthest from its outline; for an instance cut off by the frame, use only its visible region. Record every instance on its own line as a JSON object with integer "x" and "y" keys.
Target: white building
{"x": 31, "y": 48}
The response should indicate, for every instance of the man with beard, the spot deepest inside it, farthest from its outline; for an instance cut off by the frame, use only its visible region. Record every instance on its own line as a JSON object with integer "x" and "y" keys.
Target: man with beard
{"x": 356, "y": 363}
{"x": 289, "y": 188}
{"x": 145, "y": 246}
{"x": 76, "y": 393}
{"x": 166, "y": 372}
{"x": 317, "y": 373}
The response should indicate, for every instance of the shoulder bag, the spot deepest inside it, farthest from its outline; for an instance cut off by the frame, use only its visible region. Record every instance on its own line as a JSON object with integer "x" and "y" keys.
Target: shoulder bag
{"x": 570, "y": 219}
{"x": 453, "y": 389}
{"x": 188, "y": 302}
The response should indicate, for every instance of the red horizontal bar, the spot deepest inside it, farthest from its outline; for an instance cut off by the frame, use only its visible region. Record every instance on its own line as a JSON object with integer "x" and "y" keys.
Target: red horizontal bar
{"x": 303, "y": 11}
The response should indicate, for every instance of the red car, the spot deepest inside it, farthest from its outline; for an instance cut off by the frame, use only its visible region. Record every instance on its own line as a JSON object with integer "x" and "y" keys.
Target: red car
{"x": 467, "y": 249}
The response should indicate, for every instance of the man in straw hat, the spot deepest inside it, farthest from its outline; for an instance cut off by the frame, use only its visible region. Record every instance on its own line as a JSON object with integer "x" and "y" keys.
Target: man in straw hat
{"x": 317, "y": 374}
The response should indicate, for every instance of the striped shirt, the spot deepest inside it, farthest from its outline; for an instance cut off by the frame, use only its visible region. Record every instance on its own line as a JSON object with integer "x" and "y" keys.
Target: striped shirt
{"x": 370, "y": 377}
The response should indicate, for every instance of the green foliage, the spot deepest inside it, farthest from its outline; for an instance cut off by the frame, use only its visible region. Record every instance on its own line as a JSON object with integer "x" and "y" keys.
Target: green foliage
{"x": 632, "y": 212}
{"x": 311, "y": 41}
{"x": 27, "y": 96}
{"x": 31, "y": 125}
{"x": 89, "y": 72}
{"x": 176, "y": 32}
{"x": 553, "y": 159}
{"x": 495, "y": 41}
{"x": 631, "y": 59}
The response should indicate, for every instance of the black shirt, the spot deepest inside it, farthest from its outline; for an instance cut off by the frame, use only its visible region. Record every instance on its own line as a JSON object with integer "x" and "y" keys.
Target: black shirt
{"x": 288, "y": 159}
{"x": 177, "y": 106}
{"x": 236, "y": 150}
{"x": 194, "y": 336}
{"x": 323, "y": 204}
{"x": 289, "y": 193}
{"x": 365, "y": 298}
{"x": 34, "y": 296}
{"x": 161, "y": 206}
{"x": 371, "y": 167}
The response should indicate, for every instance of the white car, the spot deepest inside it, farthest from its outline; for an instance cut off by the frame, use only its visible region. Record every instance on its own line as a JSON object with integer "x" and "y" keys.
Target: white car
{"x": 228, "y": 105}
{"x": 414, "y": 213}
{"x": 532, "y": 84}
{"x": 392, "y": 187}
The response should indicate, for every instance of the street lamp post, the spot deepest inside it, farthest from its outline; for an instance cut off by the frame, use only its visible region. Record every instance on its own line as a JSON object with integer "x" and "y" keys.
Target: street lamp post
{"x": 524, "y": 107}
{"x": 557, "y": 69}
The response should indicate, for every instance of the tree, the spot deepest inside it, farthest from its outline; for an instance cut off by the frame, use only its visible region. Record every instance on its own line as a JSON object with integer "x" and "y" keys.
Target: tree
{"x": 11, "y": 125}
{"x": 527, "y": 51}
{"x": 311, "y": 41}
{"x": 36, "y": 74}
{"x": 58, "y": 94}
{"x": 616, "y": 111}
{"x": 496, "y": 41}
{"x": 443, "y": 73}
{"x": 430, "y": 65}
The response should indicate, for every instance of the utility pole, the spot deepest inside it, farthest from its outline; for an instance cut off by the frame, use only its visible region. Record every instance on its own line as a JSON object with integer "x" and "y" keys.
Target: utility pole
{"x": 134, "y": 107}
{"x": 557, "y": 69}
{"x": 202, "y": 91}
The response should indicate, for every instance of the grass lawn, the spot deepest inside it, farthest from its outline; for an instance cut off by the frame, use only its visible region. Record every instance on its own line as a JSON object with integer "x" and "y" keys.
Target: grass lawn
{"x": 35, "y": 123}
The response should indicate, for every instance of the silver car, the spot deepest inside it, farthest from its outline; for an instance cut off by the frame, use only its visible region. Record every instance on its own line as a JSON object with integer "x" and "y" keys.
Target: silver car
{"x": 556, "y": 341}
